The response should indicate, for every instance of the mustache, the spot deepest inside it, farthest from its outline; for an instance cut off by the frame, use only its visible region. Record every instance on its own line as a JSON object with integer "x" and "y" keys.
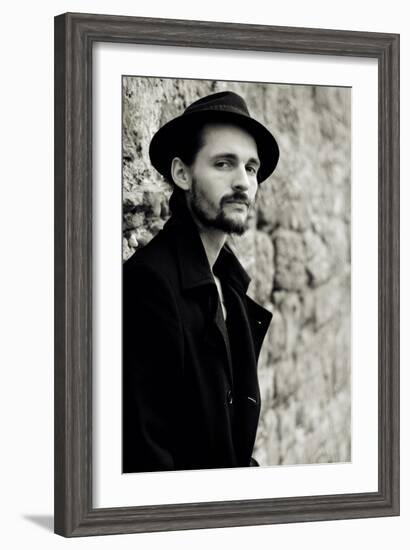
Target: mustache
{"x": 239, "y": 196}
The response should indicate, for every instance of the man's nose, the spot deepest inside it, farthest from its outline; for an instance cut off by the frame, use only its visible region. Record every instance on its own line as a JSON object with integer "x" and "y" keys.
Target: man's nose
{"x": 241, "y": 179}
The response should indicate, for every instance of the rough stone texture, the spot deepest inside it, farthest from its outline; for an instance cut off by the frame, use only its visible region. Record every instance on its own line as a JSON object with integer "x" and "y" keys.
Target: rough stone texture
{"x": 297, "y": 251}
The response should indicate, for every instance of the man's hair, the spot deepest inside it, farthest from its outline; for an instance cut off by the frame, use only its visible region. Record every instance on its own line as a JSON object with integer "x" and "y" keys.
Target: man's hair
{"x": 190, "y": 142}
{"x": 177, "y": 201}
{"x": 186, "y": 149}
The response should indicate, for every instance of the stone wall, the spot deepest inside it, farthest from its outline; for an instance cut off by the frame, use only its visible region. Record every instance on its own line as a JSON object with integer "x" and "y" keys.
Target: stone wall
{"x": 297, "y": 251}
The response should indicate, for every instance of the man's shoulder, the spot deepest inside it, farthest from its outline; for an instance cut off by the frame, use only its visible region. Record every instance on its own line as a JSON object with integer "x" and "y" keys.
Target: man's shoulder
{"x": 157, "y": 256}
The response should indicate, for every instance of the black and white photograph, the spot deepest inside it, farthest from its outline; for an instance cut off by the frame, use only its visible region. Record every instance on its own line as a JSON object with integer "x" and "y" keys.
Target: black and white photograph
{"x": 236, "y": 274}
{"x": 226, "y": 274}
{"x": 203, "y": 236}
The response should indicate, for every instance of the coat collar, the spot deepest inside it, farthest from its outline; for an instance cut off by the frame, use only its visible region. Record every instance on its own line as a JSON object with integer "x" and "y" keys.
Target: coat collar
{"x": 192, "y": 260}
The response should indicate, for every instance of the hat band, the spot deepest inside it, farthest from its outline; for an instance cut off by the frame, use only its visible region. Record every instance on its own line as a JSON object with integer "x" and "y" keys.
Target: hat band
{"x": 225, "y": 108}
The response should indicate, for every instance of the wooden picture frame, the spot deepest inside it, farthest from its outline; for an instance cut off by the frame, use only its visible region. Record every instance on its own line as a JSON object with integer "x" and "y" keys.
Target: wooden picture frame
{"x": 75, "y": 35}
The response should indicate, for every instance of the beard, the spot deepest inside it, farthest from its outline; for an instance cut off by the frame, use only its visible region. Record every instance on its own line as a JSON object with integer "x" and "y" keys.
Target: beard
{"x": 217, "y": 218}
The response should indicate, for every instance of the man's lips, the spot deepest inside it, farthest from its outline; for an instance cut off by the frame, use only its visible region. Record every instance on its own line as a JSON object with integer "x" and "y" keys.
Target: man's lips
{"x": 238, "y": 204}
{"x": 240, "y": 201}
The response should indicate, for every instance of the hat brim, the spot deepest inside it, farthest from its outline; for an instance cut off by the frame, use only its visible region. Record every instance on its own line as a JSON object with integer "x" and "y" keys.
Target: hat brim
{"x": 163, "y": 147}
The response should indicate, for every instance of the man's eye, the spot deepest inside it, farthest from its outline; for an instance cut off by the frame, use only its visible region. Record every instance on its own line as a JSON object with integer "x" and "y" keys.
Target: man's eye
{"x": 252, "y": 169}
{"x": 222, "y": 164}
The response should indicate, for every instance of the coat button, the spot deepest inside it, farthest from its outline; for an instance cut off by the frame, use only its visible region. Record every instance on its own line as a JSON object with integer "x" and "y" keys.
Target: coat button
{"x": 229, "y": 397}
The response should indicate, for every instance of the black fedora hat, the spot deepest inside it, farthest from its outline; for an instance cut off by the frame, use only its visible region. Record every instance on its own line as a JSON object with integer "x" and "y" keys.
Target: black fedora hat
{"x": 219, "y": 107}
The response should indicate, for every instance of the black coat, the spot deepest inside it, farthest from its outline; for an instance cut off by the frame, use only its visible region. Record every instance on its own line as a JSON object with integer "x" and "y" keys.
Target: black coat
{"x": 190, "y": 399}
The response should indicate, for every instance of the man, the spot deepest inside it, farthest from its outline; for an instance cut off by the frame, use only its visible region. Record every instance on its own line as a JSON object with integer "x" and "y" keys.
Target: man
{"x": 191, "y": 335}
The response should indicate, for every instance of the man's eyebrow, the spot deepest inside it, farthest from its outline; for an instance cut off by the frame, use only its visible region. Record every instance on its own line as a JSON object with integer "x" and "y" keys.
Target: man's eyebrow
{"x": 232, "y": 156}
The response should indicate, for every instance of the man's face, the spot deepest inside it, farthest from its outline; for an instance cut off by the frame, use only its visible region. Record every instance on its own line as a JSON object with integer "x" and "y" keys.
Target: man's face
{"x": 224, "y": 178}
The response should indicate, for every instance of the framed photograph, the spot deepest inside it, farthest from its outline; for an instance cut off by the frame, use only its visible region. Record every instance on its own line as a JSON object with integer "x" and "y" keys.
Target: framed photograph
{"x": 226, "y": 274}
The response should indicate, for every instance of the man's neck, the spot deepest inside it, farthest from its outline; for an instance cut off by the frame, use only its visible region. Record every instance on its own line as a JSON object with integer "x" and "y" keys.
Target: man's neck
{"x": 213, "y": 241}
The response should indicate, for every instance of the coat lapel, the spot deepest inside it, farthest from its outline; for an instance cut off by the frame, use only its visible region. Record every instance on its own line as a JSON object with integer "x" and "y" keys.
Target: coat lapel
{"x": 195, "y": 275}
{"x": 259, "y": 321}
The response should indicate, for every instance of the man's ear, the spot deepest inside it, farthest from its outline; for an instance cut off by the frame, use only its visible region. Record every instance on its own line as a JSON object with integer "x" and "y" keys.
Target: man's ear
{"x": 181, "y": 174}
